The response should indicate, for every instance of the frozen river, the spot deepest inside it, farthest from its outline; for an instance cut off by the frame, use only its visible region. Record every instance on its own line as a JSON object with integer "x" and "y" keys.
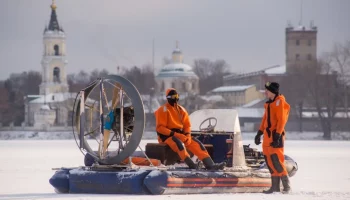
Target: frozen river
{"x": 26, "y": 167}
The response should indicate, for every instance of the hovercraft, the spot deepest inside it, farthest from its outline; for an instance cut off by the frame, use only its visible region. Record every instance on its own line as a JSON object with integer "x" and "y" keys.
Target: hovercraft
{"x": 113, "y": 166}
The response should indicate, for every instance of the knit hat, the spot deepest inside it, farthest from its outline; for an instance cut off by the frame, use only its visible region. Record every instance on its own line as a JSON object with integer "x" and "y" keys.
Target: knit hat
{"x": 171, "y": 93}
{"x": 272, "y": 87}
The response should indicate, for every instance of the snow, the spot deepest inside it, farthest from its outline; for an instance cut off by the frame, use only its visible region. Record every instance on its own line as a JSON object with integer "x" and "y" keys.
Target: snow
{"x": 231, "y": 88}
{"x": 252, "y": 103}
{"x": 54, "y": 97}
{"x": 26, "y": 165}
{"x": 280, "y": 69}
{"x": 45, "y": 107}
{"x": 250, "y": 112}
{"x": 308, "y": 114}
{"x": 213, "y": 98}
{"x": 66, "y": 135}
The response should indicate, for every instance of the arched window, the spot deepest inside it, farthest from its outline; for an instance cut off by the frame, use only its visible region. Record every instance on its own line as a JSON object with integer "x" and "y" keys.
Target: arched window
{"x": 56, "y": 75}
{"x": 56, "y": 48}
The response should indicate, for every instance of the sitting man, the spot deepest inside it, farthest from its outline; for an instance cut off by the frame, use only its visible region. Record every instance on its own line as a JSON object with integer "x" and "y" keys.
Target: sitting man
{"x": 174, "y": 129}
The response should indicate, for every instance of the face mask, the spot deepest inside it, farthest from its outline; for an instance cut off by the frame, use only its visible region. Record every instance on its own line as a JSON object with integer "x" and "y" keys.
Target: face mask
{"x": 172, "y": 101}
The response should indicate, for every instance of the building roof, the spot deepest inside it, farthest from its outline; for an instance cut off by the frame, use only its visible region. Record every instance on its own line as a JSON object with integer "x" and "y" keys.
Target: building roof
{"x": 176, "y": 70}
{"x": 252, "y": 103}
{"x": 274, "y": 70}
{"x": 53, "y": 25}
{"x": 231, "y": 88}
{"x": 278, "y": 69}
{"x": 54, "y": 98}
{"x": 301, "y": 28}
{"x": 213, "y": 98}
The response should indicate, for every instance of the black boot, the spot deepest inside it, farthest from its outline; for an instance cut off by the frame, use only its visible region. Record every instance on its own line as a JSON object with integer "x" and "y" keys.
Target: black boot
{"x": 209, "y": 164}
{"x": 286, "y": 184}
{"x": 190, "y": 163}
{"x": 275, "y": 185}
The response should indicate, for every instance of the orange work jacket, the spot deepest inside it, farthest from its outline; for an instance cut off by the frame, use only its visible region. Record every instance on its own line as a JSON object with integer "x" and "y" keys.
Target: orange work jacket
{"x": 275, "y": 118}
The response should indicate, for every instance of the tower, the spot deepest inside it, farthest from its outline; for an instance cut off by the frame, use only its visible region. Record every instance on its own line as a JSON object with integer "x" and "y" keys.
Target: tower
{"x": 177, "y": 56}
{"x": 54, "y": 78}
{"x": 301, "y": 47}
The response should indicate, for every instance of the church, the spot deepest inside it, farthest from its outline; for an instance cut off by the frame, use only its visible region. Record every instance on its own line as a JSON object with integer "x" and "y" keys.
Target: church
{"x": 177, "y": 74}
{"x": 54, "y": 103}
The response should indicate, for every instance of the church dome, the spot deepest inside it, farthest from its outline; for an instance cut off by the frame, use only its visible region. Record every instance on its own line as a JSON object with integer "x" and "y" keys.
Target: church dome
{"x": 177, "y": 68}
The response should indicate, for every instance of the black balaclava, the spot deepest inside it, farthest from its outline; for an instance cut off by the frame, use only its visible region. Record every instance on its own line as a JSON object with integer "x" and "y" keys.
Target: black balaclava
{"x": 170, "y": 97}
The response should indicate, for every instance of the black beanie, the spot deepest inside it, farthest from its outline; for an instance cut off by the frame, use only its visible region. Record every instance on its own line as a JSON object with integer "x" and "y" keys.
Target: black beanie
{"x": 272, "y": 87}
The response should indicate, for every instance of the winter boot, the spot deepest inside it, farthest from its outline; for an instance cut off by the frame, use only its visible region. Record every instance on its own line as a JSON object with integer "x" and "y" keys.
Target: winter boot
{"x": 286, "y": 184}
{"x": 190, "y": 163}
{"x": 275, "y": 185}
{"x": 209, "y": 164}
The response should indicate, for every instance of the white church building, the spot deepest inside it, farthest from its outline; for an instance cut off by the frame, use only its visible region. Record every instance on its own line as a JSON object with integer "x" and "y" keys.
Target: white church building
{"x": 177, "y": 75}
{"x": 52, "y": 106}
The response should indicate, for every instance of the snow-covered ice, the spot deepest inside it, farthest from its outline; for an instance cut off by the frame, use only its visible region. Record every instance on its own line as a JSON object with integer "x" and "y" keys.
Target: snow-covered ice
{"x": 26, "y": 167}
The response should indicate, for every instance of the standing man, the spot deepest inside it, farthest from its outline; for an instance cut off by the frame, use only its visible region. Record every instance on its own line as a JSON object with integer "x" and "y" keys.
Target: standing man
{"x": 174, "y": 129}
{"x": 272, "y": 127}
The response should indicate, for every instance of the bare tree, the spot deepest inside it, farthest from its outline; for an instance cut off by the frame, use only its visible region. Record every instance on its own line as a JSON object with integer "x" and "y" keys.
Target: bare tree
{"x": 98, "y": 74}
{"x": 296, "y": 91}
{"x": 340, "y": 61}
{"x": 210, "y": 73}
{"x": 4, "y": 104}
{"x": 18, "y": 86}
{"x": 143, "y": 78}
{"x": 324, "y": 90}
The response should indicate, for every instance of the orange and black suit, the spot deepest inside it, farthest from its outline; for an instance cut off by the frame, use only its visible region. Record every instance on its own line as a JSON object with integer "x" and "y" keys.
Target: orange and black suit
{"x": 174, "y": 129}
{"x": 272, "y": 127}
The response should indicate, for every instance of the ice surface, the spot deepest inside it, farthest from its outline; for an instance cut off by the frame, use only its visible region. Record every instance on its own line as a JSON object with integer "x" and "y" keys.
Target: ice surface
{"x": 25, "y": 171}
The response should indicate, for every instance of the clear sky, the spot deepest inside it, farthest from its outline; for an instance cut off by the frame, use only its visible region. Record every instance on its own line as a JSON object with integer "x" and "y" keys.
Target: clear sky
{"x": 248, "y": 34}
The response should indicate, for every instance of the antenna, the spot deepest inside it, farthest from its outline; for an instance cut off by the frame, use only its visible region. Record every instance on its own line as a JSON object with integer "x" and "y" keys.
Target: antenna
{"x": 153, "y": 55}
{"x": 301, "y": 13}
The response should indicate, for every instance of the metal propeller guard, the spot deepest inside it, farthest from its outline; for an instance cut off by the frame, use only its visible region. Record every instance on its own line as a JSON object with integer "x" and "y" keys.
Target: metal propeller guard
{"x": 125, "y": 89}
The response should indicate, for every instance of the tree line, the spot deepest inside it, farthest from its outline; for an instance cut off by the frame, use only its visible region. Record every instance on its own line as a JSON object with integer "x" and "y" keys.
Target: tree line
{"x": 14, "y": 89}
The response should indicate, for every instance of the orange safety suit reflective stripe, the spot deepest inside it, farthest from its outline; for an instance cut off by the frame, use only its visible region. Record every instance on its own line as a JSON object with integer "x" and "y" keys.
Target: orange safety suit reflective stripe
{"x": 175, "y": 119}
{"x": 273, "y": 122}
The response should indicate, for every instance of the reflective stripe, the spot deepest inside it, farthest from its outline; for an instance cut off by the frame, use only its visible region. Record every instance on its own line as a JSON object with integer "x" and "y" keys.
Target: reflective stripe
{"x": 178, "y": 143}
{"x": 268, "y": 164}
{"x": 200, "y": 144}
{"x": 276, "y": 163}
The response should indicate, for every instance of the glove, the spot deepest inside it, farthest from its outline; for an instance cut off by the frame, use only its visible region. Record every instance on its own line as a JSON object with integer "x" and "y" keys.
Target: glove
{"x": 181, "y": 137}
{"x": 257, "y": 137}
{"x": 109, "y": 120}
{"x": 276, "y": 140}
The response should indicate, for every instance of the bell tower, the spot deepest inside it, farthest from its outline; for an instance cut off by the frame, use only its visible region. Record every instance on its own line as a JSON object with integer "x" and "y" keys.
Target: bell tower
{"x": 54, "y": 77}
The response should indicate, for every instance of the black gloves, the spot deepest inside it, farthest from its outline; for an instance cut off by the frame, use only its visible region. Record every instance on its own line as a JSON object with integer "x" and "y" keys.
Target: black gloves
{"x": 257, "y": 137}
{"x": 277, "y": 140}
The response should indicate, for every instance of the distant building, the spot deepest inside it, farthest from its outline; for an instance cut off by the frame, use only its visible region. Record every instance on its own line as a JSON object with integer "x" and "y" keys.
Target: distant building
{"x": 301, "y": 47}
{"x": 177, "y": 75}
{"x": 238, "y": 95}
{"x": 301, "y": 51}
{"x": 52, "y": 106}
